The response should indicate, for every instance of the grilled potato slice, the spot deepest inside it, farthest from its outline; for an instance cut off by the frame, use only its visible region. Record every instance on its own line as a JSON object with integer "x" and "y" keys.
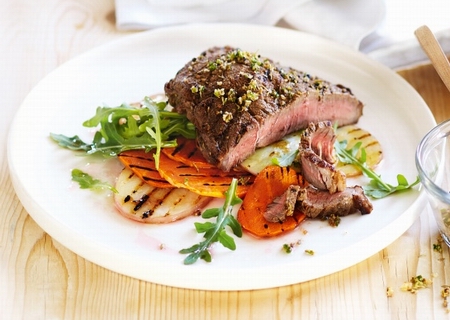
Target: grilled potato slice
{"x": 286, "y": 148}
{"x": 142, "y": 202}
{"x": 353, "y": 134}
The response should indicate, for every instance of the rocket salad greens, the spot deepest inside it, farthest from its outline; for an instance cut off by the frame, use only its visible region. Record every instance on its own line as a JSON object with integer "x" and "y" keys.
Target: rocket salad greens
{"x": 151, "y": 126}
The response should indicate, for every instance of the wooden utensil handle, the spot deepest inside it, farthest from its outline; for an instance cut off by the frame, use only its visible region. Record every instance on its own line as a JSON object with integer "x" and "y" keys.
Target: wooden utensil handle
{"x": 434, "y": 51}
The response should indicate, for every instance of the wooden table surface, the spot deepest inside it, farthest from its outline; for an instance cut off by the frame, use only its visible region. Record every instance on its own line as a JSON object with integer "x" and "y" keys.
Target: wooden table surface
{"x": 41, "y": 279}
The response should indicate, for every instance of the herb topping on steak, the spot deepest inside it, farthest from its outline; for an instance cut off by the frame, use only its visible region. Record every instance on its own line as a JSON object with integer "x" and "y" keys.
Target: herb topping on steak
{"x": 240, "y": 101}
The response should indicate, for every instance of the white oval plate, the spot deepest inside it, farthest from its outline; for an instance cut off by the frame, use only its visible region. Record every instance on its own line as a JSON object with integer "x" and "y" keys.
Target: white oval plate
{"x": 139, "y": 65}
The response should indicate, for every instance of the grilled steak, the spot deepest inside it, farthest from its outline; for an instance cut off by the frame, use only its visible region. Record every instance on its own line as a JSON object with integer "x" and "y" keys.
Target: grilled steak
{"x": 315, "y": 203}
{"x": 239, "y": 101}
{"x": 320, "y": 173}
{"x": 320, "y": 138}
{"x": 316, "y": 158}
{"x": 282, "y": 206}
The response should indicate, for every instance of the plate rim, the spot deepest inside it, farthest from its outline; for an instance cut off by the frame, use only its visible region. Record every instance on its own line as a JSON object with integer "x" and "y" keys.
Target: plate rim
{"x": 32, "y": 206}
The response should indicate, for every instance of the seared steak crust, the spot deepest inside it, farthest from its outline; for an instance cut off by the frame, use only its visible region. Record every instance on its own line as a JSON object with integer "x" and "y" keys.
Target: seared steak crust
{"x": 315, "y": 203}
{"x": 239, "y": 101}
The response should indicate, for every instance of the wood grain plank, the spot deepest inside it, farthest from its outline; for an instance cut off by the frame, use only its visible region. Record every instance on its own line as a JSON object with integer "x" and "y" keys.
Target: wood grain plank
{"x": 428, "y": 84}
{"x": 41, "y": 279}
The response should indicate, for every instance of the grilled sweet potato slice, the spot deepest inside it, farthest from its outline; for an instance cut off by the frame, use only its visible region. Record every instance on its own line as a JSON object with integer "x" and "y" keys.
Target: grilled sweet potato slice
{"x": 211, "y": 182}
{"x": 143, "y": 165}
{"x": 206, "y": 181}
{"x": 269, "y": 184}
{"x": 187, "y": 152}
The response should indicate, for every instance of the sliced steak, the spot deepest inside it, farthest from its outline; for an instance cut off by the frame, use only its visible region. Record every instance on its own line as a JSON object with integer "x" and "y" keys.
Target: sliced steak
{"x": 320, "y": 138}
{"x": 315, "y": 203}
{"x": 239, "y": 101}
{"x": 320, "y": 173}
{"x": 316, "y": 157}
{"x": 282, "y": 206}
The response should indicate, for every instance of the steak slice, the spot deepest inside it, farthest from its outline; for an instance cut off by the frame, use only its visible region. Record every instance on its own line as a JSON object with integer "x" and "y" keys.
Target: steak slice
{"x": 316, "y": 203}
{"x": 239, "y": 101}
{"x": 282, "y": 206}
{"x": 320, "y": 173}
{"x": 316, "y": 157}
{"x": 320, "y": 138}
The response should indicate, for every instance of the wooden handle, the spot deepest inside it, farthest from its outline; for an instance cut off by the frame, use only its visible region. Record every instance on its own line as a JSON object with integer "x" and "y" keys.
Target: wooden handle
{"x": 434, "y": 51}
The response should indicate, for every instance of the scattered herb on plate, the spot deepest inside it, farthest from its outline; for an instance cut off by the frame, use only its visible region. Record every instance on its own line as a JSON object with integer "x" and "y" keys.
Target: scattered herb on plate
{"x": 88, "y": 182}
{"x": 377, "y": 188}
{"x": 216, "y": 231}
{"x": 333, "y": 220}
{"x": 289, "y": 247}
{"x": 437, "y": 247}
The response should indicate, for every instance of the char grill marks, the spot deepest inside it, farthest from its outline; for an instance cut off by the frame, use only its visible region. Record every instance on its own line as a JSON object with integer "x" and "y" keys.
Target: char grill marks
{"x": 140, "y": 201}
{"x": 239, "y": 101}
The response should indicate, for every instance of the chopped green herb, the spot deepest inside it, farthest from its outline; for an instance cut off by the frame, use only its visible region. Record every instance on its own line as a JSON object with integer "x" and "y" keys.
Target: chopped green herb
{"x": 88, "y": 182}
{"x": 219, "y": 92}
{"x": 310, "y": 252}
{"x": 216, "y": 231}
{"x": 334, "y": 220}
{"x": 437, "y": 247}
{"x": 212, "y": 66}
{"x": 252, "y": 96}
{"x": 377, "y": 188}
{"x": 289, "y": 247}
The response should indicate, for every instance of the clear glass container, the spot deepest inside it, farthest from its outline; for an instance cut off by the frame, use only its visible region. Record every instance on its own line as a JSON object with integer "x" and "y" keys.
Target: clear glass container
{"x": 433, "y": 165}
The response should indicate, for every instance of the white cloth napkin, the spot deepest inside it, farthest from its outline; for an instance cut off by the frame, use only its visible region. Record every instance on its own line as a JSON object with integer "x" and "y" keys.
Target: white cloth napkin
{"x": 148, "y": 14}
{"x": 382, "y": 29}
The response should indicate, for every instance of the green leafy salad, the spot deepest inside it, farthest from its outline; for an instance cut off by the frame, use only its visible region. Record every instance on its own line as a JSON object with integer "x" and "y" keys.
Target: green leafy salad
{"x": 153, "y": 126}
{"x": 126, "y": 127}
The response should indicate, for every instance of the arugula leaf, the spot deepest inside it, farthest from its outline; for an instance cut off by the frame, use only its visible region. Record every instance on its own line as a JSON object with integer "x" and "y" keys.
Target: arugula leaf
{"x": 377, "y": 188}
{"x": 216, "y": 231}
{"x": 72, "y": 143}
{"x": 154, "y": 129}
{"x": 88, "y": 182}
{"x": 125, "y": 127}
{"x": 285, "y": 159}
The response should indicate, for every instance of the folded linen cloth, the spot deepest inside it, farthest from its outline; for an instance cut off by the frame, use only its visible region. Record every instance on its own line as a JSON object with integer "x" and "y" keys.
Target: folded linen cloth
{"x": 148, "y": 14}
{"x": 375, "y": 27}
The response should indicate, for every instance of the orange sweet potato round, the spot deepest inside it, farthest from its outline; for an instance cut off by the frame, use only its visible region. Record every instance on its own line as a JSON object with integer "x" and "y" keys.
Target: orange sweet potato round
{"x": 270, "y": 183}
